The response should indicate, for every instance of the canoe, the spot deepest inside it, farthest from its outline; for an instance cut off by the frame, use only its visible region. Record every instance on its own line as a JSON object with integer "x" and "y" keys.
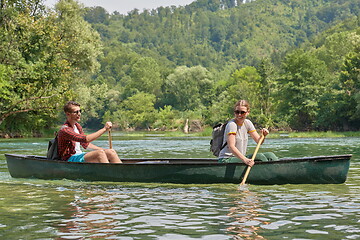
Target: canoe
{"x": 306, "y": 170}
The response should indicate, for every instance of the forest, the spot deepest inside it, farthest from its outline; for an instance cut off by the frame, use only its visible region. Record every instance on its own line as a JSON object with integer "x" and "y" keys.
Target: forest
{"x": 297, "y": 62}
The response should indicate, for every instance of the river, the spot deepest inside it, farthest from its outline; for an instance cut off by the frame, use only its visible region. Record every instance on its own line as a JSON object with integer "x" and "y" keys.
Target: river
{"x": 64, "y": 209}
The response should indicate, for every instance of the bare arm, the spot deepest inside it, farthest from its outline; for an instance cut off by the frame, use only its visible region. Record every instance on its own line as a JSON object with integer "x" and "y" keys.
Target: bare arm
{"x": 257, "y": 137}
{"x": 91, "y": 137}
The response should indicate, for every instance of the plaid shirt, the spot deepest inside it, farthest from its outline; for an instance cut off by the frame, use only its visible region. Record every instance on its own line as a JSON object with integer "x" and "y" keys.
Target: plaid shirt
{"x": 67, "y": 138}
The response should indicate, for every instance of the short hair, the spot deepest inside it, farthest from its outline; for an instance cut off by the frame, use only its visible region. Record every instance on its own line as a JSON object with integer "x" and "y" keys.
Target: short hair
{"x": 67, "y": 106}
{"x": 244, "y": 103}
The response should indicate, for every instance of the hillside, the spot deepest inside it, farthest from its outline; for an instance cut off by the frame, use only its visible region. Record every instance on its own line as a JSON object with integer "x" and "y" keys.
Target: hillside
{"x": 213, "y": 33}
{"x": 297, "y": 62}
{"x": 146, "y": 51}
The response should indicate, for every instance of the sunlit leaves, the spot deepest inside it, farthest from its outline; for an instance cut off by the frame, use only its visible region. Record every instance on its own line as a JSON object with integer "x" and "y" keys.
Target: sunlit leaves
{"x": 302, "y": 83}
{"x": 146, "y": 76}
{"x": 188, "y": 88}
{"x": 139, "y": 111}
{"x": 45, "y": 52}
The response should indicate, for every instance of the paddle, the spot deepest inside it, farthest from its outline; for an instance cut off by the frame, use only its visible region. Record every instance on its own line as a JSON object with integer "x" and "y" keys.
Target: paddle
{"x": 110, "y": 140}
{"x": 253, "y": 158}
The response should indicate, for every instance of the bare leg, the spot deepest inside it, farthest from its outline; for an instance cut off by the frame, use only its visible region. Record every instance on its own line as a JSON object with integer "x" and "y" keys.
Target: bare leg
{"x": 97, "y": 156}
{"x": 112, "y": 156}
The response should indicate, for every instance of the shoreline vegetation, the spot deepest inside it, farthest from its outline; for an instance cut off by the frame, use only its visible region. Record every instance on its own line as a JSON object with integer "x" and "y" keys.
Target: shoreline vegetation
{"x": 206, "y": 132}
{"x": 180, "y": 68}
{"x": 273, "y": 135}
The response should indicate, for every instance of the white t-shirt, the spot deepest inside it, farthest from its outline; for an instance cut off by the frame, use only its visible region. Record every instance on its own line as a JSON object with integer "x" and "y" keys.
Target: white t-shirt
{"x": 77, "y": 144}
{"x": 241, "y": 137}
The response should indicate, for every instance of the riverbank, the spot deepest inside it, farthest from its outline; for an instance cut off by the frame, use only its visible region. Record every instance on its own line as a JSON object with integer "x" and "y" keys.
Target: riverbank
{"x": 207, "y": 133}
{"x": 329, "y": 134}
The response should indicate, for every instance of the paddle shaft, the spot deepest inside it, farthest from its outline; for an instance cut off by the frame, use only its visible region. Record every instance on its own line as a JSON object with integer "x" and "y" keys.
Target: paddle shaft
{"x": 110, "y": 140}
{"x": 253, "y": 158}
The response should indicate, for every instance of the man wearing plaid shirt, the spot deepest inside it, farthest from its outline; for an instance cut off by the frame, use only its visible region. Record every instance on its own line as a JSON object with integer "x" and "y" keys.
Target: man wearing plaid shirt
{"x": 71, "y": 137}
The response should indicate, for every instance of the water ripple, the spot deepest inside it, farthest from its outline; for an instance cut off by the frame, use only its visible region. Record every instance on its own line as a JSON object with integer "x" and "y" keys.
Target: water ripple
{"x": 63, "y": 209}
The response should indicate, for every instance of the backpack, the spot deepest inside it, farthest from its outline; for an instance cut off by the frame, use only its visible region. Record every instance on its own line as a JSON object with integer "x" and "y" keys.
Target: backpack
{"x": 52, "y": 153}
{"x": 216, "y": 143}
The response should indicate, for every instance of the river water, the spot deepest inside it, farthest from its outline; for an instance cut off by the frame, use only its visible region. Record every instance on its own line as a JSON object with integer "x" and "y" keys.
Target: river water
{"x": 64, "y": 209}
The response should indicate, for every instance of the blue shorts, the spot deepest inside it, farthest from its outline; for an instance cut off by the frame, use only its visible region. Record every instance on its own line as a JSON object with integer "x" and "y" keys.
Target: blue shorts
{"x": 77, "y": 158}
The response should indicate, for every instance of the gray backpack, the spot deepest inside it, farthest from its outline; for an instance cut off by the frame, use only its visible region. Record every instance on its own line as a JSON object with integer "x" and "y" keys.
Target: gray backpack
{"x": 216, "y": 143}
{"x": 52, "y": 153}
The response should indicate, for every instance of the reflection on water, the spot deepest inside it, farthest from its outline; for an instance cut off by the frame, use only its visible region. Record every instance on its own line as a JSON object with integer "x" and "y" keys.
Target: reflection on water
{"x": 63, "y": 209}
{"x": 305, "y": 211}
{"x": 35, "y": 209}
{"x": 156, "y": 212}
{"x": 159, "y": 211}
{"x": 247, "y": 215}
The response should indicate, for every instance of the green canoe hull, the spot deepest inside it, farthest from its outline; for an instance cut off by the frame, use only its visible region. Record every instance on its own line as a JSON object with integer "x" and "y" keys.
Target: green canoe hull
{"x": 308, "y": 170}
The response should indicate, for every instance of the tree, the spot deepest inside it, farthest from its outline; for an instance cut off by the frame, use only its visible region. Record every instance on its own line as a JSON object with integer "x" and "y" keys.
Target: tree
{"x": 137, "y": 111}
{"x": 336, "y": 47}
{"x": 145, "y": 76}
{"x": 350, "y": 80}
{"x": 256, "y": 86}
{"x": 188, "y": 88}
{"x": 80, "y": 44}
{"x": 166, "y": 118}
{"x": 246, "y": 85}
{"x": 94, "y": 102}
{"x": 96, "y": 15}
{"x": 43, "y": 54}
{"x": 302, "y": 83}
{"x": 267, "y": 92}
{"x": 30, "y": 64}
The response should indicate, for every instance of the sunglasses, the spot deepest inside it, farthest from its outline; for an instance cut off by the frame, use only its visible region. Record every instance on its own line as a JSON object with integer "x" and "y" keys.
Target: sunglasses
{"x": 239, "y": 112}
{"x": 76, "y": 112}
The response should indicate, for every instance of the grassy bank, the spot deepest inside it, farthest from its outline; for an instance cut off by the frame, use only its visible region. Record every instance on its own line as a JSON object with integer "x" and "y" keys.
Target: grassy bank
{"x": 207, "y": 133}
{"x": 312, "y": 134}
{"x": 329, "y": 134}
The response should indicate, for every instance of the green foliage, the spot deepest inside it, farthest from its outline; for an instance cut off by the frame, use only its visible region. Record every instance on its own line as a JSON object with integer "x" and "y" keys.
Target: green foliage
{"x": 350, "y": 80}
{"x": 350, "y": 76}
{"x": 146, "y": 76}
{"x": 188, "y": 88}
{"x": 137, "y": 111}
{"x": 221, "y": 110}
{"x": 93, "y": 100}
{"x": 41, "y": 54}
{"x": 96, "y": 15}
{"x": 218, "y": 34}
{"x": 212, "y": 32}
{"x": 334, "y": 112}
{"x": 327, "y": 134}
{"x": 297, "y": 62}
{"x": 166, "y": 118}
{"x": 6, "y": 88}
{"x": 77, "y": 37}
{"x": 302, "y": 83}
{"x": 245, "y": 85}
